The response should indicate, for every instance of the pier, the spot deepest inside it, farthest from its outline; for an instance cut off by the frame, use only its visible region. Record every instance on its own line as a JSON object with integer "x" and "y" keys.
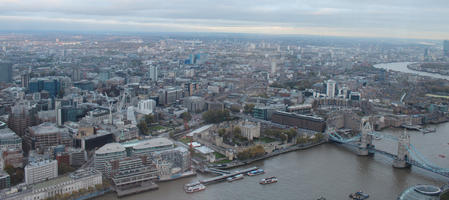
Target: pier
{"x": 418, "y": 128}
{"x": 225, "y": 176}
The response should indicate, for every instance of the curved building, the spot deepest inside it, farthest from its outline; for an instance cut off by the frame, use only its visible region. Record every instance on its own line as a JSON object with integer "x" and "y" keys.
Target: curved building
{"x": 420, "y": 192}
{"x": 108, "y": 152}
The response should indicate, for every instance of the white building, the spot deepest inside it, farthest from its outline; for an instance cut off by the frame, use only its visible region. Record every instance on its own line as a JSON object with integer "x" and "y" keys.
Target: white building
{"x": 330, "y": 89}
{"x": 80, "y": 179}
{"x": 40, "y": 171}
{"x": 146, "y": 106}
{"x": 153, "y": 73}
{"x": 250, "y": 130}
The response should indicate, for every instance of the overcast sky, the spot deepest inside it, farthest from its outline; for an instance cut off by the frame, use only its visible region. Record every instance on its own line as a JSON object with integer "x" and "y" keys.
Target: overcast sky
{"x": 362, "y": 18}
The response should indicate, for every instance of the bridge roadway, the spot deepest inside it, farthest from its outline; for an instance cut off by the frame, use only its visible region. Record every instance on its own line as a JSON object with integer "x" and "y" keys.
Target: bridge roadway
{"x": 225, "y": 176}
{"x": 392, "y": 156}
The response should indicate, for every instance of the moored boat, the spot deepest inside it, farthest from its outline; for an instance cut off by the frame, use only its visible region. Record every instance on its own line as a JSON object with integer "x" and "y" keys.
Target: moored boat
{"x": 194, "y": 188}
{"x": 268, "y": 180}
{"x": 255, "y": 172}
{"x": 359, "y": 196}
{"x": 234, "y": 178}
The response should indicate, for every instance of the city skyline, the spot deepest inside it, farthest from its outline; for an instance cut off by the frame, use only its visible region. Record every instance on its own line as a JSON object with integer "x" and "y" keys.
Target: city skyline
{"x": 382, "y": 19}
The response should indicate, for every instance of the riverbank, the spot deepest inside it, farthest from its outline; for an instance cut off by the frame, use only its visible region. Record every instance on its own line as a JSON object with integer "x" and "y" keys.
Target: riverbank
{"x": 402, "y": 67}
{"x": 276, "y": 153}
{"x": 434, "y": 68}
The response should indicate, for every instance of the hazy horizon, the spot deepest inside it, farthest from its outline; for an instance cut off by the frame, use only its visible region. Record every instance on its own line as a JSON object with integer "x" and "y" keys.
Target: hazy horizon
{"x": 347, "y": 18}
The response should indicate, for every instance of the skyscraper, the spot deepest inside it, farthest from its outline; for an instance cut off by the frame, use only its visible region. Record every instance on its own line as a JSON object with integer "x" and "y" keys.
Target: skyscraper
{"x": 273, "y": 67}
{"x": 153, "y": 73}
{"x": 446, "y": 47}
{"x": 76, "y": 75}
{"x": 330, "y": 90}
{"x": 6, "y": 75}
{"x": 25, "y": 80}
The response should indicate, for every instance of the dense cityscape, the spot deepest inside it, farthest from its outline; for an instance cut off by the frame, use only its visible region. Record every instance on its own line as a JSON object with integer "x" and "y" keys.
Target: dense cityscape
{"x": 86, "y": 115}
{"x": 205, "y": 100}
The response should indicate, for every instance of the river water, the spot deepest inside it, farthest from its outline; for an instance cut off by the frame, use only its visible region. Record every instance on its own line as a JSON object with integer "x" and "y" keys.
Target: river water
{"x": 329, "y": 170}
{"x": 402, "y": 67}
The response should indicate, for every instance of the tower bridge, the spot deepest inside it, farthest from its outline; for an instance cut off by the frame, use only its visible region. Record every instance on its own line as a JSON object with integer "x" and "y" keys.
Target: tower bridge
{"x": 406, "y": 155}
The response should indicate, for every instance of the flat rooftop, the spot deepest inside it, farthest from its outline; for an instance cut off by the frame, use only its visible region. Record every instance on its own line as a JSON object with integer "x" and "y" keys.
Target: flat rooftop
{"x": 6, "y": 133}
{"x": 152, "y": 143}
{"x": 110, "y": 148}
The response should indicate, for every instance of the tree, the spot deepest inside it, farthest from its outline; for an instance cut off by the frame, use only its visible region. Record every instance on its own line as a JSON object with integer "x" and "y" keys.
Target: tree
{"x": 237, "y": 130}
{"x": 248, "y": 108}
{"x": 149, "y": 119}
{"x": 221, "y": 132}
{"x": 143, "y": 128}
{"x": 253, "y": 152}
{"x": 98, "y": 186}
{"x": 10, "y": 169}
{"x": 186, "y": 116}
{"x": 216, "y": 116}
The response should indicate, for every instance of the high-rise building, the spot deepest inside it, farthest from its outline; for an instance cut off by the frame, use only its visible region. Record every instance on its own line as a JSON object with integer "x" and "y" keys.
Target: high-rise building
{"x": 273, "y": 67}
{"x": 170, "y": 95}
{"x": 51, "y": 85}
{"x": 25, "y": 80}
{"x": 40, "y": 171}
{"x": 446, "y": 47}
{"x": 6, "y": 72}
{"x": 330, "y": 90}
{"x": 146, "y": 106}
{"x": 153, "y": 73}
{"x": 76, "y": 75}
{"x": 194, "y": 104}
{"x": 21, "y": 117}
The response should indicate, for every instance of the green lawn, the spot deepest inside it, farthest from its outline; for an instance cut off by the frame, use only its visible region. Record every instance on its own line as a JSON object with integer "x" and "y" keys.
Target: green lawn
{"x": 185, "y": 140}
{"x": 157, "y": 127}
{"x": 218, "y": 155}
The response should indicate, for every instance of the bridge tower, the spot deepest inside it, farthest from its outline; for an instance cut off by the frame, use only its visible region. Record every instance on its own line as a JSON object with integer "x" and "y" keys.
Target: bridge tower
{"x": 403, "y": 153}
{"x": 366, "y": 139}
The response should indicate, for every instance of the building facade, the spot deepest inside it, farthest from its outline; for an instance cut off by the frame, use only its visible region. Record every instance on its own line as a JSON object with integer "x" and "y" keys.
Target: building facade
{"x": 46, "y": 135}
{"x": 330, "y": 89}
{"x": 108, "y": 152}
{"x": 9, "y": 139}
{"x": 300, "y": 121}
{"x": 6, "y": 75}
{"x": 74, "y": 182}
{"x": 40, "y": 171}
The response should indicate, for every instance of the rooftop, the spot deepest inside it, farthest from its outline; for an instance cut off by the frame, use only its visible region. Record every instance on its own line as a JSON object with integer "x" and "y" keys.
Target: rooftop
{"x": 40, "y": 163}
{"x": 199, "y": 130}
{"x": 110, "y": 148}
{"x": 157, "y": 142}
{"x": 47, "y": 128}
{"x": 6, "y": 133}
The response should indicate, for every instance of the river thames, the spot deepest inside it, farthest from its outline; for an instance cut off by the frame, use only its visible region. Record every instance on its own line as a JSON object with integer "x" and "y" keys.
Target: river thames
{"x": 330, "y": 170}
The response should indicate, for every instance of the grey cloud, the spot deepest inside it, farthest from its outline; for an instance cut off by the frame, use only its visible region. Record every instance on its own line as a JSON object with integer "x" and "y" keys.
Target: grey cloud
{"x": 414, "y": 15}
